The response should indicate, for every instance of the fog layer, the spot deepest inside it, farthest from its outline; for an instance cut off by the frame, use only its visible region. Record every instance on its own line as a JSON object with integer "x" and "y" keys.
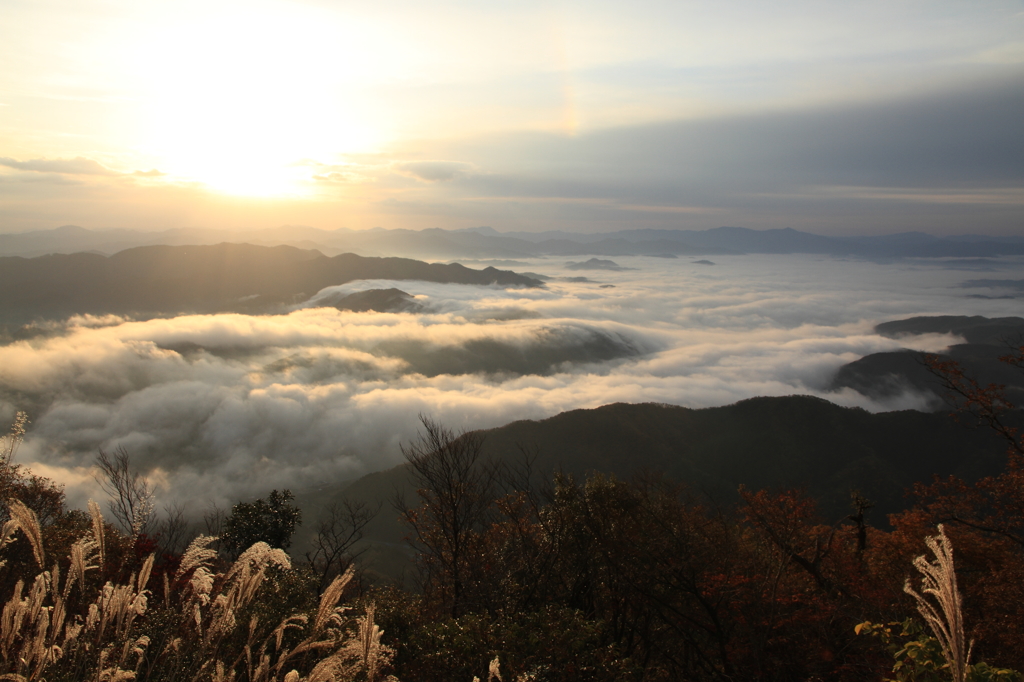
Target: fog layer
{"x": 217, "y": 408}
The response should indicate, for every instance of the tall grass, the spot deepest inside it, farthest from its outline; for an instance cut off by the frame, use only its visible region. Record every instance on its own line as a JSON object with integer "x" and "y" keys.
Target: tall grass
{"x": 63, "y": 625}
{"x": 940, "y": 605}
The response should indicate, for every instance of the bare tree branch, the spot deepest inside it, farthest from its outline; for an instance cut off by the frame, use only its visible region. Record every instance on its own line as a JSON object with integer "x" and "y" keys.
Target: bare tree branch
{"x": 175, "y": 532}
{"x": 456, "y": 491}
{"x": 339, "y": 529}
{"x": 131, "y": 500}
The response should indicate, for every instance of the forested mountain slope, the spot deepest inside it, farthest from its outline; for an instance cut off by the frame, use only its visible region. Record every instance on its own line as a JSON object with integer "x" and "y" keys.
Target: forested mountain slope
{"x": 776, "y": 443}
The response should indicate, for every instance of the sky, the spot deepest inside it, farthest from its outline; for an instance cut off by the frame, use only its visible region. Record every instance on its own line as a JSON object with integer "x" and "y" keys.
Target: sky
{"x": 831, "y": 117}
{"x": 218, "y": 408}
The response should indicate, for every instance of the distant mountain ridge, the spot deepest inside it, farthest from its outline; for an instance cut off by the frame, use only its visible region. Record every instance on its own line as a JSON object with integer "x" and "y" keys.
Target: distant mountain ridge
{"x": 485, "y": 242}
{"x": 218, "y": 278}
{"x": 887, "y": 374}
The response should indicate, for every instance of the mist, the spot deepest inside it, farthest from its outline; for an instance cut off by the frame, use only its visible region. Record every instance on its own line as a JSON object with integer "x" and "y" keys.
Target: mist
{"x": 217, "y": 408}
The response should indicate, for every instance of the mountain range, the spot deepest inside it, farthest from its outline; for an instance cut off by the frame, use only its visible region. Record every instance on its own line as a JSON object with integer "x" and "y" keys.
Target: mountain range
{"x": 487, "y": 243}
{"x": 155, "y": 280}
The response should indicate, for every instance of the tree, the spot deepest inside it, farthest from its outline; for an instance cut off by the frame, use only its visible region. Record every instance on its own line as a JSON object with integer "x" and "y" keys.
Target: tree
{"x": 456, "y": 491}
{"x": 339, "y": 528}
{"x": 174, "y": 531}
{"x": 272, "y": 521}
{"x": 984, "y": 517}
{"x": 131, "y": 499}
{"x": 995, "y": 504}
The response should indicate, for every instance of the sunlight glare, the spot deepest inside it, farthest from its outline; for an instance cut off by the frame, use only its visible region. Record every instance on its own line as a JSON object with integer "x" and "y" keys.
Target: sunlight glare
{"x": 235, "y": 100}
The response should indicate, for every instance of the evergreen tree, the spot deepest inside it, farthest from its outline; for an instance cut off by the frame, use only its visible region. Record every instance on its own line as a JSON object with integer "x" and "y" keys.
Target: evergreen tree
{"x": 272, "y": 521}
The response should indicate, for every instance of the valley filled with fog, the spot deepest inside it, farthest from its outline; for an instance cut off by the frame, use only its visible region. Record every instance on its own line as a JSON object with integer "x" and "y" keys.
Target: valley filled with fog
{"x": 216, "y": 408}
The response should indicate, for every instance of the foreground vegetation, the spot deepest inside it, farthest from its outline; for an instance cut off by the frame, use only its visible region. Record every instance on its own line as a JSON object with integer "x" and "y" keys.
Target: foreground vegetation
{"x": 525, "y": 577}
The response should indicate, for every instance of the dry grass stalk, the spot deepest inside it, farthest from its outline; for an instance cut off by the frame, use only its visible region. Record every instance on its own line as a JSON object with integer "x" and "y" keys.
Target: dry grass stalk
{"x": 97, "y": 531}
{"x": 10, "y": 442}
{"x": 197, "y": 559}
{"x": 34, "y": 633}
{"x": 104, "y": 643}
{"x": 23, "y": 519}
{"x": 243, "y": 581}
{"x": 944, "y": 611}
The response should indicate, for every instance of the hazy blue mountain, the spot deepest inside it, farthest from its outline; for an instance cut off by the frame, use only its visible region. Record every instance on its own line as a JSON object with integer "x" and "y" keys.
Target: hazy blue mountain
{"x": 595, "y": 264}
{"x": 486, "y": 242}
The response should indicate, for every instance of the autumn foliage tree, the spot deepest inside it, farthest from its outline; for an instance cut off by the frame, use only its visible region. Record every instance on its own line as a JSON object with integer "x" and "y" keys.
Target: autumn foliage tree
{"x": 984, "y": 518}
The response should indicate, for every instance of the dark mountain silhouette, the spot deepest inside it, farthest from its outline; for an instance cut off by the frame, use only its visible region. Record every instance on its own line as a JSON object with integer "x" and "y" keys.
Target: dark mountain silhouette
{"x": 220, "y": 278}
{"x": 378, "y": 300}
{"x": 974, "y": 329}
{"x": 788, "y": 442}
{"x": 883, "y": 375}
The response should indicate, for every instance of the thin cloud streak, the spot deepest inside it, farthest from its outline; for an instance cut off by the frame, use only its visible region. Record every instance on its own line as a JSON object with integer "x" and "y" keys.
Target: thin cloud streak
{"x": 77, "y": 166}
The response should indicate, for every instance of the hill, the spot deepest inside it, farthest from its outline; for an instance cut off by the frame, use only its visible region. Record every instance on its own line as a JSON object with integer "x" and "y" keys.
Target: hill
{"x": 882, "y": 375}
{"x": 789, "y": 442}
{"x": 153, "y": 280}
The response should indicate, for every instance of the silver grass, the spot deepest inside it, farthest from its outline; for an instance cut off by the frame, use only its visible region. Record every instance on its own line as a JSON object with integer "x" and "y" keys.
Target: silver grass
{"x": 144, "y": 572}
{"x": 33, "y": 633}
{"x": 97, "y": 530}
{"x": 219, "y": 674}
{"x": 494, "y": 671}
{"x": 11, "y": 620}
{"x": 80, "y": 562}
{"x": 294, "y": 622}
{"x": 197, "y": 558}
{"x": 333, "y": 669}
{"x": 10, "y": 442}
{"x": 59, "y": 613}
{"x": 327, "y": 610}
{"x": 370, "y": 649}
{"x": 36, "y": 630}
{"x": 261, "y": 555}
{"x": 197, "y": 554}
{"x": 29, "y": 525}
{"x": 244, "y": 579}
{"x": 7, "y": 535}
{"x": 944, "y": 610}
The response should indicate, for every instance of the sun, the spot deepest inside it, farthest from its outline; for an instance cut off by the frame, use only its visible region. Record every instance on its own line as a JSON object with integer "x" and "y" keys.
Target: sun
{"x": 236, "y": 99}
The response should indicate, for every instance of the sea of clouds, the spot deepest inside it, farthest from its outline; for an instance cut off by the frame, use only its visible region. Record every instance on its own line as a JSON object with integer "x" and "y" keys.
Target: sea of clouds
{"x": 217, "y": 408}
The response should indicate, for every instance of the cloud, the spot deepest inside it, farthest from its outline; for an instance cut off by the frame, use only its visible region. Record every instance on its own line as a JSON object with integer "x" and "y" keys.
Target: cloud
{"x": 151, "y": 173}
{"x": 223, "y": 407}
{"x": 435, "y": 171}
{"x": 967, "y": 136}
{"x": 334, "y": 177}
{"x": 948, "y": 160}
{"x": 76, "y": 166}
